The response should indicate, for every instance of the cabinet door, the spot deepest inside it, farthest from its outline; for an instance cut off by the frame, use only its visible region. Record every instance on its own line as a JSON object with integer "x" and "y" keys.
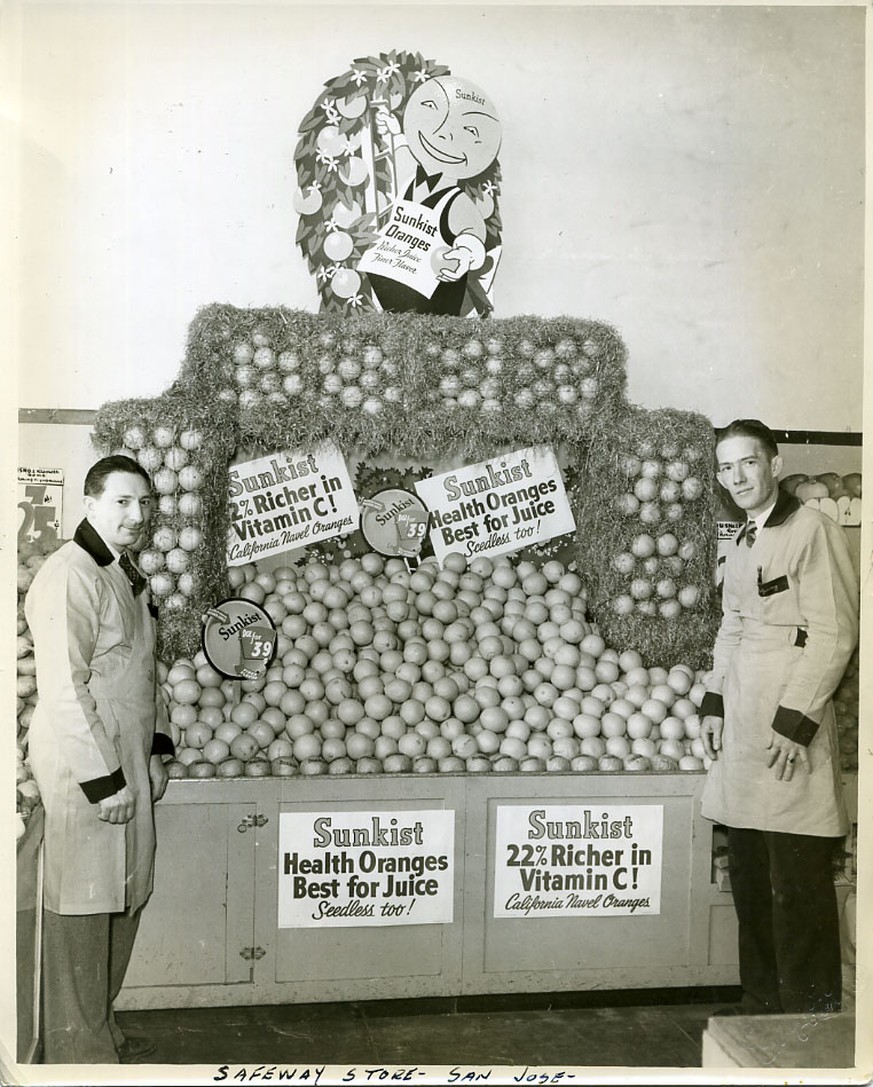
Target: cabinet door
{"x": 370, "y": 961}
{"x": 198, "y": 926}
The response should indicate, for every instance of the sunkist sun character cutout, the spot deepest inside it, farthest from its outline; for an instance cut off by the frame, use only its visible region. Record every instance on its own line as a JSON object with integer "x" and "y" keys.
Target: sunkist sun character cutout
{"x": 398, "y": 187}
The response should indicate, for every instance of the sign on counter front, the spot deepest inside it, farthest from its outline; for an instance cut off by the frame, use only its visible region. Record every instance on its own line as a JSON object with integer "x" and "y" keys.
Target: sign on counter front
{"x": 366, "y": 868}
{"x": 498, "y": 506}
{"x": 288, "y": 500}
{"x": 561, "y": 860}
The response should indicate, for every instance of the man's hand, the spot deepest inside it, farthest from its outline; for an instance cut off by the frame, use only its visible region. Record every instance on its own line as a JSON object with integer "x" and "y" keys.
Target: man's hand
{"x": 118, "y": 808}
{"x": 158, "y": 776}
{"x": 710, "y": 733}
{"x": 783, "y": 754}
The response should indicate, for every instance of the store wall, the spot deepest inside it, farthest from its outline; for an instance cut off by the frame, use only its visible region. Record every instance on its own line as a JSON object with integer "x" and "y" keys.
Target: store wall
{"x": 691, "y": 175}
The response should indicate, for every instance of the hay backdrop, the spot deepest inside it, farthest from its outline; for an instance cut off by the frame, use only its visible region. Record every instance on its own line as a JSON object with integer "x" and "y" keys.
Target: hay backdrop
{"x": 424, "y": 389}
{"x": 616, "y": 529}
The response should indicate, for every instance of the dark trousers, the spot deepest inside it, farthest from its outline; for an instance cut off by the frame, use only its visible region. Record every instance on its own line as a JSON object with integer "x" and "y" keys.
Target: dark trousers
{"x": 789, "y": 936}
{"x": 85, "y": 958}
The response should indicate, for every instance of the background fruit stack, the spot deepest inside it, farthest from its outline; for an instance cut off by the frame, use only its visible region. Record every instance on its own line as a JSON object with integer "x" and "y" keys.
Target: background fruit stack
{"x": 31, "y": 555}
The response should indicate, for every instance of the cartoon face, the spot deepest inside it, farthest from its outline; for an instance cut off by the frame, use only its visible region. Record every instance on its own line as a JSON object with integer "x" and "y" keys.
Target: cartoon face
{"x": 452, "y": 127}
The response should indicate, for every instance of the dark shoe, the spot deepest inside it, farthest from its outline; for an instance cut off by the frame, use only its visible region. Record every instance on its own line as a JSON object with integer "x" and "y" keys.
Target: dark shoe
{"x": 134, "y": 1048}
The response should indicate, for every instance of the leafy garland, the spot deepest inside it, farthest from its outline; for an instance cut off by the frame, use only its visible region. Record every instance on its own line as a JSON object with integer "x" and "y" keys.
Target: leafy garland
{"x": 331, "y": 176}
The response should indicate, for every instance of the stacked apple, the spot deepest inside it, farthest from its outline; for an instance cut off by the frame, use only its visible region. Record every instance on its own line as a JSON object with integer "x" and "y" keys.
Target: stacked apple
{"x": 660, "y": 482}
{"x": 837, "y": 496}
{"x": 170, "y": 455}
{"x": 823, "y": 485}
{"x": 484, "y": 666}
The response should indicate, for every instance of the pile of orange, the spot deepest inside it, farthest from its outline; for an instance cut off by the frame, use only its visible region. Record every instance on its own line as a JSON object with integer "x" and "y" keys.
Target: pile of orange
{"x": 476, "y": 666}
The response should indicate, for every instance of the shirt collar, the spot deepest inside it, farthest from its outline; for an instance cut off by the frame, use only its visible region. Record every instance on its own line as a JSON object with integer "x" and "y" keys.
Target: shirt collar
{"x": 785, "y": 505}
{"x": 762, "y": 518}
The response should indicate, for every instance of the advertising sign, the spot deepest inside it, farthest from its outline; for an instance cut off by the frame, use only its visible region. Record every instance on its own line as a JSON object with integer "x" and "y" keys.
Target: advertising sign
{"x": 349, "y": 868}
{"x": 40, "y": 504}
{"x": 573, "y": 860}
{"x": 288, "y": 500}
{"x": 498, "y": 506}
{"x": 398, "y": 189}
{"x": 394, "y": 522}
{"x": 239, "y": 639}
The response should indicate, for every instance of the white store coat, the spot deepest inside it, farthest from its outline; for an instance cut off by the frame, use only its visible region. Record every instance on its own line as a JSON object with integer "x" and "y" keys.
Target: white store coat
{"x": 796, "y": 585}
{"x": 94, "y": 726}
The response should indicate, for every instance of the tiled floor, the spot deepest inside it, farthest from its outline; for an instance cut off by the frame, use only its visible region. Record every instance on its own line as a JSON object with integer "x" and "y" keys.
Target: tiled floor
{"x": 489, "y": 1032}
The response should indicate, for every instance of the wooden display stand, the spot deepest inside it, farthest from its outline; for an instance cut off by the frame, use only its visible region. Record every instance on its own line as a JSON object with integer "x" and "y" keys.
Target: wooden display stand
{"x": 209, "y": 936}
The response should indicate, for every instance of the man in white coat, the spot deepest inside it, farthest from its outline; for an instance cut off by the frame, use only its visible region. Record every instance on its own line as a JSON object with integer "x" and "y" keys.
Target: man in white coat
{"x": 789, "y": 625}
{"x": 97, "y": 742}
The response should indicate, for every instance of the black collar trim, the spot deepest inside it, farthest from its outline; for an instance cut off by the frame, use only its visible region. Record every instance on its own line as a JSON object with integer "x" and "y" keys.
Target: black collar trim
{"x": 90, "y": 540}
{"x": 786, "y": 505}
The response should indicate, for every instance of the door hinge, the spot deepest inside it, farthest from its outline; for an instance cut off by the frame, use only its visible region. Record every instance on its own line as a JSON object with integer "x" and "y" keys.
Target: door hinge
{"x": 248, "y": 821}
{"x": 249, "y": 953}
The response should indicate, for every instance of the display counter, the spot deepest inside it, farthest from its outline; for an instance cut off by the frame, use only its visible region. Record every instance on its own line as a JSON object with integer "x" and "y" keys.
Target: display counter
{"x": 210, "y": 935}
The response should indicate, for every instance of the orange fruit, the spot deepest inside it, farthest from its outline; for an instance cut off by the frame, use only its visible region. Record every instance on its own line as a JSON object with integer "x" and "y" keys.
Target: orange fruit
{"x": 305, "y": 747}
{"x": 378, "y": 706}
{"x": 212, "y": 716}
{"x": 412, "y": 711}
{"x": 186, "y": 691}
{"x": 244, "y": 714}
{"x": 216, "y": 750}
{"x": 244, "y": 747}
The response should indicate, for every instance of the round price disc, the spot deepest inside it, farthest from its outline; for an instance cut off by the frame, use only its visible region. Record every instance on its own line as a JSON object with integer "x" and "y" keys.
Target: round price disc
{"x": 394, "y": 522}
{"x": 239, "y": 639}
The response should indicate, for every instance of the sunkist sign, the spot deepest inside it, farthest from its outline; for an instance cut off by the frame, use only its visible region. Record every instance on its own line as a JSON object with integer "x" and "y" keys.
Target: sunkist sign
{"x": 579, "y": 860}
{"x": 498, "y": 506}
{"x": 350, "y": 868}
{"x": 288, "y": 500}
{"x": 239, "y": 639}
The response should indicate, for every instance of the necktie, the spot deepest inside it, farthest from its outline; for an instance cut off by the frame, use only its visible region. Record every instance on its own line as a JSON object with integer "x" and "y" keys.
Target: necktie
{"x": 137, "y": 581}
{"x": 751, "y": 533}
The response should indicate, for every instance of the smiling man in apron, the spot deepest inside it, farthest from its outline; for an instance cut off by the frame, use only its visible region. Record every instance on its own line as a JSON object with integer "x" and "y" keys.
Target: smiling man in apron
{"x": 96, "y": 746}
{"x": 789, "y": 626}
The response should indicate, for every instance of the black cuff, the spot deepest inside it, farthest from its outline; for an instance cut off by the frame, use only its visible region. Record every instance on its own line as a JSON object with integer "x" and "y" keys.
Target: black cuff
{"x": 98, "y": 789}
{"x": 794, "y": 726}
{"x": 162, "y": 744}
{"x": 712, "y": 705}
